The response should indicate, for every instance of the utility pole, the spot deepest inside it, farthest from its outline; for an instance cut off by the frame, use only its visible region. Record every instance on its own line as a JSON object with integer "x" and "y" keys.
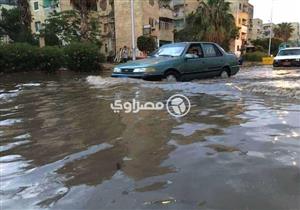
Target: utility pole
{"x": 271, "y": 28}
{"x": 133, "y": 30}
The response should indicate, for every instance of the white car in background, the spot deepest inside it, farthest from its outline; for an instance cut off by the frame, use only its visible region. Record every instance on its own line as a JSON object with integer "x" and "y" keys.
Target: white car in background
{"x": 288, "y": 57}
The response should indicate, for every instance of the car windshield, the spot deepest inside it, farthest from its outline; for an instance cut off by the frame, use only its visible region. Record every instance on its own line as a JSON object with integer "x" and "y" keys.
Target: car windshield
{"x": 289, "y": 52}
{"x": 170, "y": 50}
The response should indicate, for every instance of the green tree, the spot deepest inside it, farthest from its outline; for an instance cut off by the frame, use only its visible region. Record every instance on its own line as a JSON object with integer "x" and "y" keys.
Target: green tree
{"x": 212, "y": 21}
{"x": 11, "y": 26}
{"x": 284, "y": 31}
{"x": 146, "y": 44}
{"x": 25, "y": 14}
{"x": 263, "y": 45}
{"x": 64, "y": 28}
{"x": 84, "y": 7}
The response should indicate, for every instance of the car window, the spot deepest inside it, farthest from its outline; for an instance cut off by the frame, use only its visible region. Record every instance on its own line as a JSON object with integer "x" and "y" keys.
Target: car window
{"x": 210, "y": 50}
{"x": 289, "y": 52}
{"x": 196, "y": 50}
{"x": 170, "y": 50}
{"x": 218, "y": 51}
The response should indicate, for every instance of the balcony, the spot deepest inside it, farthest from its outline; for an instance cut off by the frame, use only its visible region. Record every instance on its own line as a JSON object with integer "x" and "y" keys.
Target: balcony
{"x": 165, "y": 13}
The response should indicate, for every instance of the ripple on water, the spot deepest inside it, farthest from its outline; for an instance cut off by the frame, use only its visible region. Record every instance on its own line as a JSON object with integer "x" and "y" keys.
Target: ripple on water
{"x": 101, "y": 82}
{"x": 13, "y": 145}
{"x": 9, "y": 122}
{"x": 29, "y": 85}
{"x": 188, "y": 129}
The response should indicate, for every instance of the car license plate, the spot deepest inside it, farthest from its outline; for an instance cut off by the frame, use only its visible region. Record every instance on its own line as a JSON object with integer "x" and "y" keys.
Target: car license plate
{"x": 286, "y": 63}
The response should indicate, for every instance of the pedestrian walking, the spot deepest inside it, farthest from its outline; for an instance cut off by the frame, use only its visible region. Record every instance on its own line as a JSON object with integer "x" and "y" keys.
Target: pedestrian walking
{"x": 125, "y": 54}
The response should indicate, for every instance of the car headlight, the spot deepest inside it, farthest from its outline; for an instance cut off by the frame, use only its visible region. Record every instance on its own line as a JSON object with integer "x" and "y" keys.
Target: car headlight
{"x": 144, "y": 70}
{"x": 117, "y": 70}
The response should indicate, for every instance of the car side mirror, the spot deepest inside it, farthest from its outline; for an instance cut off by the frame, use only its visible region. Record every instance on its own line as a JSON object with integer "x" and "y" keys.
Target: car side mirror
{"x": 190, "y": 56}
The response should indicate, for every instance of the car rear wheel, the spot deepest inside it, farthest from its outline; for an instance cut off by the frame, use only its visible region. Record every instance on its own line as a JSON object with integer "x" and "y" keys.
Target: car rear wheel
{"x": 172, "y": 76}
{"x": 225, "y": 73}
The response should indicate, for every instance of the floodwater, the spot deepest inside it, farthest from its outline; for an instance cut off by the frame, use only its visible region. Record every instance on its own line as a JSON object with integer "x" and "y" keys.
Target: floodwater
{"x": 62, "y": 147}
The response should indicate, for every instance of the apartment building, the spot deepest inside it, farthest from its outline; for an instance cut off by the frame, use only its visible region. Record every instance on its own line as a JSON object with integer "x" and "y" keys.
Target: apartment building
{"x": 106, "y": 13}
{"x": 40, "y": 10}
{"x": 296, "y": 32}
{"x": 182, "y": 8}
{"x": 267, "y": 29}
{"x": 151, "y": 19}
{"x": 256, "y": 31}
{"x": 242, "y": 11}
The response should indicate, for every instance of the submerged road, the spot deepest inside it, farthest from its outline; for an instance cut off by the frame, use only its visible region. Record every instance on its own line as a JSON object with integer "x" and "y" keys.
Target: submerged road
{"x": 62, "y": 147}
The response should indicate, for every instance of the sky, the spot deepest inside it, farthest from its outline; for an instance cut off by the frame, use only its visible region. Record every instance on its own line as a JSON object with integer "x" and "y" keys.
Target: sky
{"x": 284, "y": 10}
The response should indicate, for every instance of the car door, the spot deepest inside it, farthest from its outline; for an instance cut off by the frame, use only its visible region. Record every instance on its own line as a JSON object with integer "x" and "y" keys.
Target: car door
{"x": 194, "y": 66}
{"x": 213, "y": 58}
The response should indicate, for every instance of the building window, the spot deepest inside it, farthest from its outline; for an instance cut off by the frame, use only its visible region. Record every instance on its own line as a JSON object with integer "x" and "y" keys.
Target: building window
{"x": 240, "y": 7}
{"x": 238, "y": 48}
{"x": 37, "y": 26}
{"x": 36, "y": 5}
{"x": 106, "y": 48}
{"x": 105, "y": 28}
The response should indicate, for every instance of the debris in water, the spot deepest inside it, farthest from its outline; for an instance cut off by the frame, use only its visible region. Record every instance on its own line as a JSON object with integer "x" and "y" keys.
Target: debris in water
{"x": 127, "y": 159}
{"x": 163, "y": 202}
{"x": 222, "y": 148}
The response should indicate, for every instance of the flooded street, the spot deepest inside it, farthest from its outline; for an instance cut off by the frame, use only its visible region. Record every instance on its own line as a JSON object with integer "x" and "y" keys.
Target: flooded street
{"x": 62, "y": 147}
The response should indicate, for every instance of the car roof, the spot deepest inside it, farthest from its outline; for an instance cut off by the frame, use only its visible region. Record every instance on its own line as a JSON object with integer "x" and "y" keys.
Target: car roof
{"x": 186, "y": 43}
{"x": 194, "y": 42}
{"x": 291, "y": 48}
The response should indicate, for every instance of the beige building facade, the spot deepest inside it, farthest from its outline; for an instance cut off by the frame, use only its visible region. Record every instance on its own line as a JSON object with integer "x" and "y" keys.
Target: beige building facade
{"x": 242, "y": 11}
{"x": 296, "y": 32}
{"x": 256, "y": 32}
{"x": 151, "y": 19}
{"x": 182, "y": 8}
{"x": 40, "y": 11}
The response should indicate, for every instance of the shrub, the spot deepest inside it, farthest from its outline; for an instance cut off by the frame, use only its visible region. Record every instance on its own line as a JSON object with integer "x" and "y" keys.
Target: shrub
{"x": 255, "y": 56}
{"x": 25, "y": 57}
{"x": 50, "y": 58}
{"x": 18, "y": 57}
{"x": 146, "y": 44}
{"x": 83, "y": 57}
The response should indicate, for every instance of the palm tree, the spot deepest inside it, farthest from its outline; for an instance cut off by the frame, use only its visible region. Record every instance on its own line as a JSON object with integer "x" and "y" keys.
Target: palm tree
{"x": 84, "y": 6}
{"x": 212, "y": 21}
{"x": 284, "y": 31}
{"x": 24, "y": 8}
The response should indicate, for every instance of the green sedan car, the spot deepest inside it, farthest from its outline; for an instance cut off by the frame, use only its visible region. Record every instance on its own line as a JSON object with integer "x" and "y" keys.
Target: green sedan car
{"x": 182, "y": 62}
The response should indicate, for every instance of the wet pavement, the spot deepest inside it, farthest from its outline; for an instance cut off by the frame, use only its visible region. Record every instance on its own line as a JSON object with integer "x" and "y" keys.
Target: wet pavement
{"x": 62, "y": 147}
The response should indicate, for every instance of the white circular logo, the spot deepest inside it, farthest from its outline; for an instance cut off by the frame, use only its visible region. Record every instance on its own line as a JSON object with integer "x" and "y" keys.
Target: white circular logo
{"x": 178, "y": 105}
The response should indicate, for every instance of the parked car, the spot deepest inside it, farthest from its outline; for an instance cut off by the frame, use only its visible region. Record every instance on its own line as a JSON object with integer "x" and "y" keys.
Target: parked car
{"x": 182, "y": 62}
{"x": 288, "y": 57}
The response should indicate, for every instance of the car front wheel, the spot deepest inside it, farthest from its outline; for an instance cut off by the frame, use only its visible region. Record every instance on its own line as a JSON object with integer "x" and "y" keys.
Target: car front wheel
{"x": 172, "y": 76}
{"x": 225, "y": 74}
